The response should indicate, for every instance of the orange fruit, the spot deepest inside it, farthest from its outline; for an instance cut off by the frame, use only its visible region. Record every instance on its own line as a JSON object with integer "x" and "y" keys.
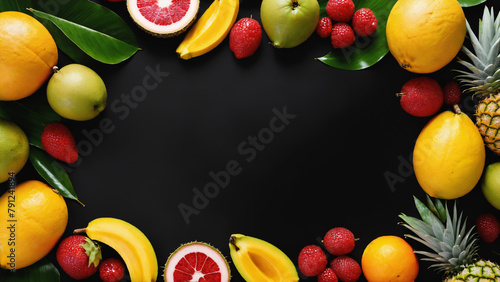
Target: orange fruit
{"x": 34, "y": 217}
{"x": 389, "y": 258}
{"x": 28, "y": 55}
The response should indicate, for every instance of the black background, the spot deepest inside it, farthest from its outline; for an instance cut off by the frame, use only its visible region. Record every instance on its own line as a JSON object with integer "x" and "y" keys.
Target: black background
{"x": 326, "y": 168}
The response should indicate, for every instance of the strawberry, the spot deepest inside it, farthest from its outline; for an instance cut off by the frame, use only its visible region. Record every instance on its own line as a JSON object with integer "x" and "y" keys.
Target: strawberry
{"x": 421, "y": 96}
{"x": 327, "y": 276}
{"x": 339, "y": 241}
{"x": 58, "y": 141}
{"x": 312, "y": 260}
{"x": 488, "y": 227}
{"x": 78, "y": 256}
{"x": 340, "y": 10}
{"x": 324, "y": 27}
{"x": 364, "y": 22}
{"x": 342, "y": 35}
{"x": 346, "y": 268}
{"x": 245, "y": 37}
{"x": 111, "y": 270}
{"x": 452, "y": 93}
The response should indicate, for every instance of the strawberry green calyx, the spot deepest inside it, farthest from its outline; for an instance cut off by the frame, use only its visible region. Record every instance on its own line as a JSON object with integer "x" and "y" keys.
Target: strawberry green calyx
{"x": 93, "y": 251}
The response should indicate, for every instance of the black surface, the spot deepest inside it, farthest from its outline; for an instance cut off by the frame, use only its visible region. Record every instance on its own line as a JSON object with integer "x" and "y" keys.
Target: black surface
{"x": 325, "y": 168}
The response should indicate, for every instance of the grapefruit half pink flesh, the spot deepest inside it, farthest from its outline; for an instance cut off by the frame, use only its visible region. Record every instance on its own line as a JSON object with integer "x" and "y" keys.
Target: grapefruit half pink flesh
{"x": 163, "y": 18}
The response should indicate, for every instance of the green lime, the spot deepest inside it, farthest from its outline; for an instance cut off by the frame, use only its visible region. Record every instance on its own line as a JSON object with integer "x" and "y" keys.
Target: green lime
{"x": 14, "y": 149}
{"x": 491, "y": 184}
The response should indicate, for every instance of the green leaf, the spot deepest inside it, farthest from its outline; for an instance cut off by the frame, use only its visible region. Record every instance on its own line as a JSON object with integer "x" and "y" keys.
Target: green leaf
{"x": 84, "y": 29}
{"x": 366, "y": 51}
{"x": 18, "y": 5}
{"x": 470, "y": 3}
{"x": 53, "y": 172}
{"x": 41, "y": 271}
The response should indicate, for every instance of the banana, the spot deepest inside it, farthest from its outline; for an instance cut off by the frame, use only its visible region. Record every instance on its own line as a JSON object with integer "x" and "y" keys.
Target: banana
{"x": 260, "y": 261}
{"x": 210, "y": 30}
{"x": 130, "y": 243}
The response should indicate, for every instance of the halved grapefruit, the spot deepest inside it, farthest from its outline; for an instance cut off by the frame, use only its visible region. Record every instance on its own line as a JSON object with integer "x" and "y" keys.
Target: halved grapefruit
{"x": 163, "y": 18}
{"x": 196, "y": 261}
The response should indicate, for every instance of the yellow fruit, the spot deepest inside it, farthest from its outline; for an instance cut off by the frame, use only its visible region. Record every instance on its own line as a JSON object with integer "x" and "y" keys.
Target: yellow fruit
{"x": 389, "y": 258}
{"x": 28, "y": 55}
{"x": 449, "y": 156}
{"x": 210, "y": 30}
{"x": 34, "y": 217}
{"x": 14, "y": 149}
{"x": 259, "y": 261}
{"x": 425, "y": 35}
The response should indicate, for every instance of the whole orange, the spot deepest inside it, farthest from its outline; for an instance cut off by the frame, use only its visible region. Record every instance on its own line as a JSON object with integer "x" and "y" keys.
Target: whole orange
{"x": 389, "y": 258}
{"x": 28, "y": 55}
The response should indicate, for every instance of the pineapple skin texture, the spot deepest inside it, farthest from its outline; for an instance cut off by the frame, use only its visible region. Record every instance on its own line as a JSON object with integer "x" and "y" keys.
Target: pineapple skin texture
{"x": 480, "y": 271}
{"x": 488, "y": 121}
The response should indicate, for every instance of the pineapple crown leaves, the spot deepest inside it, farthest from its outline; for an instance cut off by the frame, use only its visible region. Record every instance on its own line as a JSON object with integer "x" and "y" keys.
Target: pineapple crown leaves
{"x": 484, "y": 75}
{"x": 446, "y": 235}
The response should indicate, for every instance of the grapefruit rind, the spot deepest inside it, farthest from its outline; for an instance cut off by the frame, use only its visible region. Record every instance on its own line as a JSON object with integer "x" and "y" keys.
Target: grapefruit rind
{"x": 162, "y": 12}
{"x": 196, "y": 247}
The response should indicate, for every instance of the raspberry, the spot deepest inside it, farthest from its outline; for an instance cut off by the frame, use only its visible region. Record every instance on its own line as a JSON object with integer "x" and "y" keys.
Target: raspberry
{"x": 340, "y": 10}
{"x": 346, "y": 268}
{"x": 245, "y": 37}
{"x": 327, "y": 276}
{"x": 339, "y": 241}
{"x": 364, "y": 22}
{"x": 488, "y": 227}
{"x": 312, "y": 260}
{"x": 342, "y": 35}
{"x": 324, "y": 27}
{"x": 452, "y": 93}
{"x": 111, "y": 270}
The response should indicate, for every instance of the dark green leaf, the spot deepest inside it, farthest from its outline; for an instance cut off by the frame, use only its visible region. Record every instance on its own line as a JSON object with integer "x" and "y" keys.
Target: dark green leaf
{"x": 17, "y": 5}
{"x": 41, "y": 271}
{"x": 82, "y": 28}
{"x": 366, "y": 51}
{"x": 470, "y": 3}
{"x": 53, "y": 172}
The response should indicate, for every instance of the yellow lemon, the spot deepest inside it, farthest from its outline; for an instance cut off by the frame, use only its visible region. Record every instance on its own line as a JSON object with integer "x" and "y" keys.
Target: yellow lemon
{"x": 425, "y": 35}
{"x": 33, "y": 218}
{"x": 389, "y": 258}
{"x": 14, "y": 149}
{"x": 28, "y": 55}
{"x": 449, "y": 156}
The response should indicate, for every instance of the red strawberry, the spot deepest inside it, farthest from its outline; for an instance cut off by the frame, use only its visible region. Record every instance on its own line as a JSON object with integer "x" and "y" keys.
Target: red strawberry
{"x": 78, "y": 256}
{"x": 324, "y": 27}
{"x": 245, "y": 37}
{"x": 111, "y": 270}
{"x": 340, "y": 10}
{"x": 327, "y": 276}
{"x": 452, "y": 93}
{"x": 488, "y": 227}
{"x": 339, "y": 241}
{"x": 346, "y": 268}
{"x": 364, "y": 22}
{"x": 421, "y": 96}
{"x": 58, "y": 141}
{"x": 342, "y": 35}
{"x": 312, "y": 260}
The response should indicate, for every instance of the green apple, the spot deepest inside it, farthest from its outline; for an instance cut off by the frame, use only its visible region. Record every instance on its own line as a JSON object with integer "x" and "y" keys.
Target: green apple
{"x": 289, "y": 23}
{"x": 491, "y": 184}
{"x": 76, "y": 92}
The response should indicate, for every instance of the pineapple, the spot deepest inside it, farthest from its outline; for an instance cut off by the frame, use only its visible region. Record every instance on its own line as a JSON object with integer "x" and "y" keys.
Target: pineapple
{"x": 455, "y": 249}
{"x": 483, "y": 77}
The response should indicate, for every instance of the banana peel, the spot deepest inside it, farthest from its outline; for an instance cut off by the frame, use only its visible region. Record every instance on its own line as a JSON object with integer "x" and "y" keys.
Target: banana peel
{"x": 260, "y": 261}
{"x": 210, "y": 30}
{"x": 129, "y": 242}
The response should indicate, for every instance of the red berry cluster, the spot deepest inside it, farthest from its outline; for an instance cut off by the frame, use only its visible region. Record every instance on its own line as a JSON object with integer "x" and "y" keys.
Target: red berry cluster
{"x": 338, "y": 242}
{"x": 488, "y": 227}
{"x": 336, "y": 25}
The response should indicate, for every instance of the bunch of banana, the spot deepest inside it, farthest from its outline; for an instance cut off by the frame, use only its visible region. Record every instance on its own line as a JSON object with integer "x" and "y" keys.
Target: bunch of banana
{"x": 260, "y": 261}
{"x": 130, "y": 243}
{"x": 210, "y": 30}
